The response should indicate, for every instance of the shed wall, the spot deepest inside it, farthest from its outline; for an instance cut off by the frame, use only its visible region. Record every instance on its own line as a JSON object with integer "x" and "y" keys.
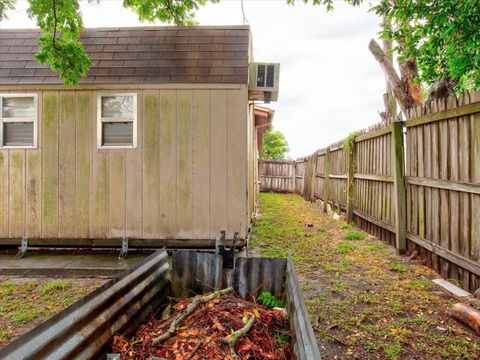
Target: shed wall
{"x": 186, "y": 180}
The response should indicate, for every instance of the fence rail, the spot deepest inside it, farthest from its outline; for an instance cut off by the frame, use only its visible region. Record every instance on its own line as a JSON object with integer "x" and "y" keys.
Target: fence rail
{"x": 414, "y": 184}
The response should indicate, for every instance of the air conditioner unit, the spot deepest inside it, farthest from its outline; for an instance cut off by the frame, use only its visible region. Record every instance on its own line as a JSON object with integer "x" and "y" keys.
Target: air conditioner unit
{"x": 263, "y": 81}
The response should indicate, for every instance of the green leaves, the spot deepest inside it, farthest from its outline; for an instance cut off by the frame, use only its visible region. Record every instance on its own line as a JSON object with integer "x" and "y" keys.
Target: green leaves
{"x": 270, "y": 301}
{"x": 275, "y": 146}
{"x": 65, "y": 56}
{"x": 4, "y": 6}
{"x": 443, "y": 36}
{"x": 60, "y": 46}
{"x": 169, "y": 11}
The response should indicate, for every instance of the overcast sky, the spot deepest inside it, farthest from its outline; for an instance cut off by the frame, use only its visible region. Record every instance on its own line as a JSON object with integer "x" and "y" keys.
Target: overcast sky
{"x": 330, "y": 84}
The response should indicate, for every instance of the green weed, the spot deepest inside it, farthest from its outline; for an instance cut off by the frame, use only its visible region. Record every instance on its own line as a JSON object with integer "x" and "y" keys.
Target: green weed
{"x": 345, "y": 248}
{"x": 392, "y": 351}
{"x": 24, "y": 315}
{"x": 354, "y": 235}
{"x": 423, "y": 284}
{"x": 5, "y": 334}
{"x": 397, "y": 267}
{"x": 270, "y": 301}
{"x": 7, "y": 288}
{"x": 54, "y": 285}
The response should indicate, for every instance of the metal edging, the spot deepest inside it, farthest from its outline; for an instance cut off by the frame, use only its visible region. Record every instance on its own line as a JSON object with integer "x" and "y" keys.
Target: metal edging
{"x": 84, "y": 329}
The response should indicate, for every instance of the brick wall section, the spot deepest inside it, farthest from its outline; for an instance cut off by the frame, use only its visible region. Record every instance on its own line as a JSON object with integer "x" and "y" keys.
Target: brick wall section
{"x": 138, "y": 55}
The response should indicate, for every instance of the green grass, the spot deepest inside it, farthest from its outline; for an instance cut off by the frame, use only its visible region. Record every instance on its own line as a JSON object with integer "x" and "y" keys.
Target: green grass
{"x": 7, "y": 288}
{"x": 23, "y": 304}
{"x": 24, "y": 315}
{"x": 354, "y": 235}
{"x": 360, "y": 297}
{"x": 54, "y": 285}
{"x": 396, "y": 266}
{"x": 345, "y": 248}
{"x": 5, "y": 334}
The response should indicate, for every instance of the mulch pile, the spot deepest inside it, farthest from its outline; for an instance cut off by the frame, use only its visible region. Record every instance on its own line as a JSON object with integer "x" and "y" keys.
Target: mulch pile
{"x": 201, "y": 334}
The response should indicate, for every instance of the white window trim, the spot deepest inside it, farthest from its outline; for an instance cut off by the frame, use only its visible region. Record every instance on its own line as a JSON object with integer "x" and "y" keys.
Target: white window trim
{"x": 12, "y": 120}
{"x": 100, "y": 120}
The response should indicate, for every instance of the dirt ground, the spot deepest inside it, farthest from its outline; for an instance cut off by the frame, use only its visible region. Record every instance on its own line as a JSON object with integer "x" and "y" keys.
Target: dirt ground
{"x": 27, "y": 302}
{"x": 364, "y": 301}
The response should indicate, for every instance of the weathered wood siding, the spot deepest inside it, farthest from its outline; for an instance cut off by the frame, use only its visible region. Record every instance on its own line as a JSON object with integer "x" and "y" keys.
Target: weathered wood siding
{"x": 186, "y": 180}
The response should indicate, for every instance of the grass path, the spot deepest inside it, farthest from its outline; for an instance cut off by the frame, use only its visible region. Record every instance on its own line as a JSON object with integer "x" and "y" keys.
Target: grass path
{"x": 27, "y": 302}
{"x": 364, "y": 303}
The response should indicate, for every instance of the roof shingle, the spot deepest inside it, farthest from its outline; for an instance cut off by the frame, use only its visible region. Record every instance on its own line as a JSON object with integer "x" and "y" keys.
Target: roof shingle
{"x": 138, "y": 55}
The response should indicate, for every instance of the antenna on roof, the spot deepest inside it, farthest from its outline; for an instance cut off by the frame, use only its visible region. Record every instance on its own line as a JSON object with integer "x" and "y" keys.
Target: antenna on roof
{"x": 245, "y": 21}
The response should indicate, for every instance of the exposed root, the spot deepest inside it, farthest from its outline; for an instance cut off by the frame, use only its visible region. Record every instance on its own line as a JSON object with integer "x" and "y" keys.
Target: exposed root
{"x": 231, "y": 340}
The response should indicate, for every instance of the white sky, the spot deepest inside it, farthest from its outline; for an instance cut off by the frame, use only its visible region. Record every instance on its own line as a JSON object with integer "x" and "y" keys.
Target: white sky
{"x": 330, "y": 84}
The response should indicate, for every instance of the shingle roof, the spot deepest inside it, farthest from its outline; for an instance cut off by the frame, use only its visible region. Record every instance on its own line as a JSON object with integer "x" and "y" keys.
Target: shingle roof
{"x": 138, "y": 55}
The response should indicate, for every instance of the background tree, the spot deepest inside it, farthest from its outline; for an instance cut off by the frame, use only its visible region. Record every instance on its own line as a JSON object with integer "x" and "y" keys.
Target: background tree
{"x": 61, "y": 23}
{"x": 275, "y": 146}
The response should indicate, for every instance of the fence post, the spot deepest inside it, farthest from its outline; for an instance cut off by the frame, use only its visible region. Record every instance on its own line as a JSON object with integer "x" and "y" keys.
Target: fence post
{"x": 325, "y": 182}
{"x": 314, "y": 175}
{"x": 294, "y": 180}
{"x": 399, "y": 187}
{"x": 350, "y": 173}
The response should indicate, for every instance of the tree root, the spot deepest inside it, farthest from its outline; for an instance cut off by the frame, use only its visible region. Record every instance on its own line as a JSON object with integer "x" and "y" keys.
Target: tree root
{"x": 231, "y": 340}
{"x": 199, "y": 344}
{"x": 188, "y": 311}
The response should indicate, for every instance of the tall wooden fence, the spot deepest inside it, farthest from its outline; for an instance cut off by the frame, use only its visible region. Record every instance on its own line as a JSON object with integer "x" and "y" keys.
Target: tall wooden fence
{"x": 414, "y": 184}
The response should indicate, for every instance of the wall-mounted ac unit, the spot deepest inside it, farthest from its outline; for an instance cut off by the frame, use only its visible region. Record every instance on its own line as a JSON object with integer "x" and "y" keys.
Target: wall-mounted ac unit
{"x": 263, "y": 81}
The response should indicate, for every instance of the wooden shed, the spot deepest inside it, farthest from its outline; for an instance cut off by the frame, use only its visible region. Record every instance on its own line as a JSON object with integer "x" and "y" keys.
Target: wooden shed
{"x": 156, "y": 144}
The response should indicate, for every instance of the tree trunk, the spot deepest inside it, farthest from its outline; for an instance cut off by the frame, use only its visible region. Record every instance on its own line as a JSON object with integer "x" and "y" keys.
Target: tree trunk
{"x": 408, "y": 73}
{"x": 394, "y": 81}
{"x": 467, "y": 315}
{"x": 389, "y": 97}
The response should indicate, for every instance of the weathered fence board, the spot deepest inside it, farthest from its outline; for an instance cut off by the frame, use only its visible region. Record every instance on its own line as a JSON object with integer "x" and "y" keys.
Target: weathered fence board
{"x": 281, "y": 175}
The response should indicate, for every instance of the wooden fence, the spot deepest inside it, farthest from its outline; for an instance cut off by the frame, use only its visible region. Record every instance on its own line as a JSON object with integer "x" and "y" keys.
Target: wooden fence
{"x": 281, "y": 175}
{"x": 414, "y": 184}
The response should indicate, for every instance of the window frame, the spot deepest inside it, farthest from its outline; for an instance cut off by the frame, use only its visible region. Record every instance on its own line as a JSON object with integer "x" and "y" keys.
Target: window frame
{"x": 33, "y": 120}
{"x": 101, "y": 120}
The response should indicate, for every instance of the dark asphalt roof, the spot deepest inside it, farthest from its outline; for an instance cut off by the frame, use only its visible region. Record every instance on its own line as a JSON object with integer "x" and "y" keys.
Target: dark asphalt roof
{"x": 168, "y": 54}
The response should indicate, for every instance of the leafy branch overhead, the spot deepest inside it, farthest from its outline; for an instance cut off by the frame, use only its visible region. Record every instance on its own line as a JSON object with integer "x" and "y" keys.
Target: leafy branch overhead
{"x": 61, "y": 22}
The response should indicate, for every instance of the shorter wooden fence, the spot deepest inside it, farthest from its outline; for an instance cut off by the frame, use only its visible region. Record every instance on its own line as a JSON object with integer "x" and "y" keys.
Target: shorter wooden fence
{"x": 414, "y": 184}
{"x": 281, "y": 175}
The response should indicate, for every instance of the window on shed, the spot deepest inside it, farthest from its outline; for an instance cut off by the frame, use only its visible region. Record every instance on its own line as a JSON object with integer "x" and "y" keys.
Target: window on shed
{"x": 117, "y": 120}
{"x": 18, "y": 118}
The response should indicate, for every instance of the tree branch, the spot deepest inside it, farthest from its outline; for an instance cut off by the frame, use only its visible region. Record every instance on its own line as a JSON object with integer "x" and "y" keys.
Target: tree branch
{"x": 232, "y": 339}
{"x": 393, "y": 79}
{"x": 189, "y": 310}
{"x": 54, "y": 23}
